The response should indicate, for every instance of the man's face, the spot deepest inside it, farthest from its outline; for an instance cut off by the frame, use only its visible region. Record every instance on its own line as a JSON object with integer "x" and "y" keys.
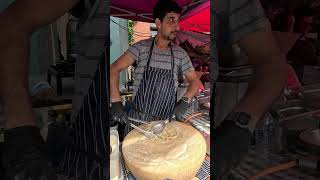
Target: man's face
{"x": 169, "y": 27}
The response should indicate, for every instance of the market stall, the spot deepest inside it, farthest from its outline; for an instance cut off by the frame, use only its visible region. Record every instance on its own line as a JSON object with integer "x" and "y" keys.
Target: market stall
{"x": 197, "y": 45}
{"x": 197, "y": 118}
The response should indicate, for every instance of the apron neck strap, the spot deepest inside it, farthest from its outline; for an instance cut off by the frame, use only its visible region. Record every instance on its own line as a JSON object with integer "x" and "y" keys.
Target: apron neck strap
{"x": 150, "y": 54}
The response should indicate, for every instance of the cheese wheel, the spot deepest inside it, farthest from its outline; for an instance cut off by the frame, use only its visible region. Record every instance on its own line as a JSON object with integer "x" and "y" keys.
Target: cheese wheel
{"x": 177, "y": 153}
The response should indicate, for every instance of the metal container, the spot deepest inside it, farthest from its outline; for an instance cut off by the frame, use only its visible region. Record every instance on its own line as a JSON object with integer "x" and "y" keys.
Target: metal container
{"x": 289, "y": 108}
{"x": 310, "y": 141}
{"x": 269, "y": 137}
{"x": 311, "y": 95}
{"x": 291, "y": 127}
{"x": 115, "y": 165}
{"x": 203, "y": 101}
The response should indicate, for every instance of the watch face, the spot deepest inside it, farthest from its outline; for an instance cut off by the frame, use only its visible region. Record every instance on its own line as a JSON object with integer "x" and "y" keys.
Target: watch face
{"x": 185, "y": 99}
{"x": 243, "y": 119}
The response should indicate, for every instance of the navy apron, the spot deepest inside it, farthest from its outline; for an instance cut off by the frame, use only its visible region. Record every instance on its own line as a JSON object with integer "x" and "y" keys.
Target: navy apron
{"x": 156, "y": 96}
{"x": 86, "y": 155}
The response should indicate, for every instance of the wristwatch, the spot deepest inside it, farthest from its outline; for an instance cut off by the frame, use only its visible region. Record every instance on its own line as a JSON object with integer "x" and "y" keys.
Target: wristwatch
{"x": 241, "y": 119}
{"x": 185, "y": 99}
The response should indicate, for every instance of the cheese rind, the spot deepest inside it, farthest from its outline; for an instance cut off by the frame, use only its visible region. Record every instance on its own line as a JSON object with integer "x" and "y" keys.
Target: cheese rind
{"x": 177, "y": 153}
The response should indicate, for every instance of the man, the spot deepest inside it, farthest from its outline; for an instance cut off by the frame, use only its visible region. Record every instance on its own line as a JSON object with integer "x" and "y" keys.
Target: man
{"x": 243, "y": 22}
{"x": 156, "y": 76}
{"x": 24, "y": 154}
{"x": 304, "y": 51}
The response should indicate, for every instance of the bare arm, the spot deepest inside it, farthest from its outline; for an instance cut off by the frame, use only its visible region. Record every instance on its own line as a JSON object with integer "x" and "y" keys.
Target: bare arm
{"x": 119, "y": 65}
{"x": 194, "y": 84}
{"x": 29, "y": 15}
{"x": 17, "y": 23}
{"x": 270, "y": 72}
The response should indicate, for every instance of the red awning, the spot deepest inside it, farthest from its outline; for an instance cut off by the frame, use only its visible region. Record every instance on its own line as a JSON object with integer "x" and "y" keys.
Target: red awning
{"x": 138, "y": 10}
{"x": 141, "y": 10}
{"x": 198, "y": 19}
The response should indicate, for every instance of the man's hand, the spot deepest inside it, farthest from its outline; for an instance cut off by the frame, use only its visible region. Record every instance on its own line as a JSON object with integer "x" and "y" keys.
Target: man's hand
{"x": 230, "y": 145}
{"x": 180, "y": 109}
{"x": 24, "y": 155}
{"x": 118, "y": 114}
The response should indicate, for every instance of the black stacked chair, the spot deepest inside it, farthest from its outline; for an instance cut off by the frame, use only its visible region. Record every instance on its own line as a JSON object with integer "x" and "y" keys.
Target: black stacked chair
{"x": 63, "y": 69}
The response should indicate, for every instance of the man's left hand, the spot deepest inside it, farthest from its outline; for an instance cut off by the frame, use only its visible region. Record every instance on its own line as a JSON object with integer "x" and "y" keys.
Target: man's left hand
{"x": 230, "y": 145}
{"x": 180, "y": 109}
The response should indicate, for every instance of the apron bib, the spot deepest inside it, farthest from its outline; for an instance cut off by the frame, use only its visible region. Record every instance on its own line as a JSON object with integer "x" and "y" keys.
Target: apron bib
{"x": 156, "y": 95}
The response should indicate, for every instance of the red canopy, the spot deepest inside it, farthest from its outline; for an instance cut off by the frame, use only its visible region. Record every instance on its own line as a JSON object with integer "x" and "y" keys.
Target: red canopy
{"x": 196, "y": 17}
{"x": 139, "y": 10}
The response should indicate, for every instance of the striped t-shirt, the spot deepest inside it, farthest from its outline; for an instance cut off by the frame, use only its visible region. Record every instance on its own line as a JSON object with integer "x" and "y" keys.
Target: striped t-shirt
{"x": 159, "y": 59}
{"x": 233, "y": 20}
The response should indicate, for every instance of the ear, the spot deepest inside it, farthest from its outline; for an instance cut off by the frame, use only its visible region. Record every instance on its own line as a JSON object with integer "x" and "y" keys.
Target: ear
{"x": 158, "y": 23}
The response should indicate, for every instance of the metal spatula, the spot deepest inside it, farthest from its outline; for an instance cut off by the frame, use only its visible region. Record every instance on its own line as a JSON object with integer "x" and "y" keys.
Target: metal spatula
{"x": 144, "y": 132}
{"x": 157, "y": 128}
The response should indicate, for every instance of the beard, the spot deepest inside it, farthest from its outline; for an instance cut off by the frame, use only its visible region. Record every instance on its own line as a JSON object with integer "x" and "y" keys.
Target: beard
{"x": 170, "y": 36}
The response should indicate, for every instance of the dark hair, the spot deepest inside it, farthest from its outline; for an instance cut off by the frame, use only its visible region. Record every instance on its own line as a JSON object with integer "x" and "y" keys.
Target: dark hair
{"x": 163, "y": 7}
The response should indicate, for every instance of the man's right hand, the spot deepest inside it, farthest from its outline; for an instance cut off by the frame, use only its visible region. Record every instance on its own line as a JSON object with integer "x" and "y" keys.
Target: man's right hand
{"x": 24, "y": 155}
{"x": 118, "y": 114}
{"x": 230, "y": 145}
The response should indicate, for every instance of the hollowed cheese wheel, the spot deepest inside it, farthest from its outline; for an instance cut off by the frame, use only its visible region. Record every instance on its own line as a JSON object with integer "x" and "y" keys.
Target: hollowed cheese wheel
{"x": 176, "y": 154}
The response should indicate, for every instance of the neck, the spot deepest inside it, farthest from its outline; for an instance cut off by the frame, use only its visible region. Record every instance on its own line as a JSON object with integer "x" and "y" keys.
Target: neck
{"x": 161, "y": 43}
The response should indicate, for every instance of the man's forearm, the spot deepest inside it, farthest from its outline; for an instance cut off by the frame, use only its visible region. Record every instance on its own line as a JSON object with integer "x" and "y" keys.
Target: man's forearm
{"x": 114, "y": 85}
{"x": 17, "y": 23}
{"x": 14, "y": 53}
{"x": 267, "y": 84}
{"x": 192, "y": 89}
{"x": 33, "y": 14}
